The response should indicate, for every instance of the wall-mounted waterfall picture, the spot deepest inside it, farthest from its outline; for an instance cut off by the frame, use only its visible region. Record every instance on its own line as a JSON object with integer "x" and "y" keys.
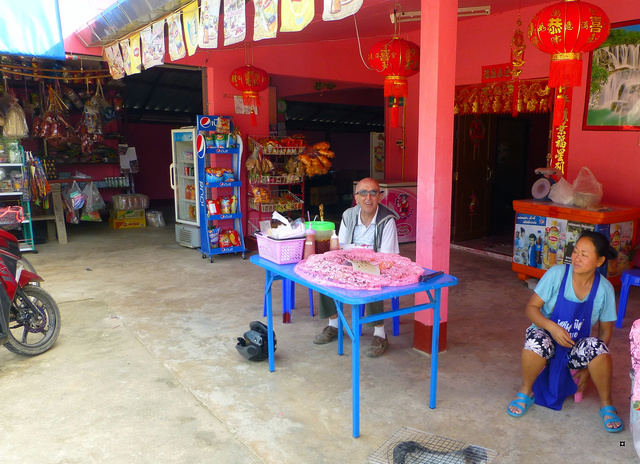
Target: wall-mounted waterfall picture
{"x": 613, "y": 87}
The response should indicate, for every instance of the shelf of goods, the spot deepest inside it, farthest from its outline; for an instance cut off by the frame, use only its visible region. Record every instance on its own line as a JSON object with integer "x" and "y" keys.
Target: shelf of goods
{"x": 276, "y": 177}
{"x": 15, "y": 211}
{"x": 545, "y": 233}
{"x": 219, "y": 151}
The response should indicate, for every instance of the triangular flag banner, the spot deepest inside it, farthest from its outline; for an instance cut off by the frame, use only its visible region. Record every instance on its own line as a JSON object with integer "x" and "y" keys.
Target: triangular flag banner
{"x": 209, "y": 23}
{"x": 339, "y": 9}
{"x": 265, "y": 23}
{"x": 125, "y": 47}
{"x": 295, "y": 15}
{"x": 176, "y": 42}
{"x": 235, "y": 24}
{"x": 190, "y": 24}
{"x": 136, "y": 53}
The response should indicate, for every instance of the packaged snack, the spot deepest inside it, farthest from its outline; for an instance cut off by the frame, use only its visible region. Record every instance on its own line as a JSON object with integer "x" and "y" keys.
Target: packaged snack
{"x": 233, "y": 207}
{"x": 221, "y": 140}
{"x": 213, "y": 207}
{"x": 231, "y": 140}
{"x": 234, "y": 238}
{"x": 228, "y": 175}
{"x": 223, "y": 125}
{"x": 225, "y": 205}
{"x": 214, "y": 235}
{"x": 224, "y": 239}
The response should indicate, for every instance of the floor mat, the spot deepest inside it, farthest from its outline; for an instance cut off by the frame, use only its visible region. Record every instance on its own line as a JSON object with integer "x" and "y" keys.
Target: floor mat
{"x": 408, "y": 445}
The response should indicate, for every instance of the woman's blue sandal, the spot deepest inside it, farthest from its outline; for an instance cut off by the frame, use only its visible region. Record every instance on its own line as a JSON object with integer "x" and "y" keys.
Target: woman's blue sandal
{"x": 612, "y": 413}
{"x": 522, "y": 402}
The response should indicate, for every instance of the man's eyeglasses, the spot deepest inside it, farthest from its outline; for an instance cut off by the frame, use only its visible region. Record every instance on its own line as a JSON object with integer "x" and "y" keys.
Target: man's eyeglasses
{"x": 364, "y": 193}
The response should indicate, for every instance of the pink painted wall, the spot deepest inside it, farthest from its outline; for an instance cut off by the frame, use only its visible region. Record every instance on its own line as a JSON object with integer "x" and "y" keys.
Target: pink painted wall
{"x": 613, "y": 156}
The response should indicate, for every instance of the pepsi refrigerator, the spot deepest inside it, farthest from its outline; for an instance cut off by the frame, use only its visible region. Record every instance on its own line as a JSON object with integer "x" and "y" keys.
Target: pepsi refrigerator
{"x": 183, "y": 174}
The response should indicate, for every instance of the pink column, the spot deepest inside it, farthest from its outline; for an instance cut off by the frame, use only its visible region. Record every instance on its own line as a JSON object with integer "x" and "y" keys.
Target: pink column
{"x": 438, "y": 35}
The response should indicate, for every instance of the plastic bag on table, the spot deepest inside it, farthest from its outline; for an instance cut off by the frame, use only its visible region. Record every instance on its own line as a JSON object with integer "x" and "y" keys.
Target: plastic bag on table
{"x": 587, "y": 190}
{"x": 561, "y": 192}
{"x": 93, "y": 199}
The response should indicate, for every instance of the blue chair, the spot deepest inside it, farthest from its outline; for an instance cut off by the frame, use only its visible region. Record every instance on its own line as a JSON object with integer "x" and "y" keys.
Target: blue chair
{"x": 629, "y": 277}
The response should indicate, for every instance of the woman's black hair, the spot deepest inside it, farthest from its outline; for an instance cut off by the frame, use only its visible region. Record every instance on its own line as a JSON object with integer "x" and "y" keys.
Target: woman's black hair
{"x": 601, "y": 243}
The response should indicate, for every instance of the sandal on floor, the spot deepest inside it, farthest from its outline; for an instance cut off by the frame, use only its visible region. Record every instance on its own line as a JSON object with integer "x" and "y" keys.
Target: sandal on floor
{"x": 522, "y": 402}
{"x": 612, "y": 413}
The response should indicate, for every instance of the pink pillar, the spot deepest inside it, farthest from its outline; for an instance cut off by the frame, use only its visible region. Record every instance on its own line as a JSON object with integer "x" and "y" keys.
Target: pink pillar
{"x": 435, "y": 152}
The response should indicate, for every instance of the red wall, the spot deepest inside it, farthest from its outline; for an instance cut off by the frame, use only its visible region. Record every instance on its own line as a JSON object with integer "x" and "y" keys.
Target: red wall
{"x": 613, "y": 156}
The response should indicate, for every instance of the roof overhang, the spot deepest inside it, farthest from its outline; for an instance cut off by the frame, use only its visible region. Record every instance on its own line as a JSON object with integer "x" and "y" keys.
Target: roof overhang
{"x": 124, "y": 17}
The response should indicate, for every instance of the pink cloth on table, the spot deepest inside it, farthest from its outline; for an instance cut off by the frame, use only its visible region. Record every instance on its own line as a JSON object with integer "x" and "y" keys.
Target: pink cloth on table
{"x": 634, "y": 339}
{"x": 332, "y": 269}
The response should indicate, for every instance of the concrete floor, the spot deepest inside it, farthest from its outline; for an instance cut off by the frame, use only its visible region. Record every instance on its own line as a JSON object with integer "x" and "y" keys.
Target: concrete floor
{"x": 146, "y": 371}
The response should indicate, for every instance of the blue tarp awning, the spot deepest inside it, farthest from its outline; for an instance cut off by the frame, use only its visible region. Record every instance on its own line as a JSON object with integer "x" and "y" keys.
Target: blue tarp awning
{"x": 31, "y": 28}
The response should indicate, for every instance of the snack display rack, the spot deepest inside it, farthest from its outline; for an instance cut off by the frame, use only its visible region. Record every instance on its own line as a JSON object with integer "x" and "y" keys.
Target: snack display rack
{"x": 273, "y": 188}
{"x": 215, "y": 154}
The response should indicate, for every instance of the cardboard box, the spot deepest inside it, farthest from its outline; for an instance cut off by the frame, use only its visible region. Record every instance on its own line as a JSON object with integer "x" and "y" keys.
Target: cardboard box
{"x": 127, "y": 214}
{"x": 127, "y": 223}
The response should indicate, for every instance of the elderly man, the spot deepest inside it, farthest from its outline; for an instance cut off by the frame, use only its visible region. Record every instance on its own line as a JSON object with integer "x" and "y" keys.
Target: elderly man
{"x": 374, "y": 225}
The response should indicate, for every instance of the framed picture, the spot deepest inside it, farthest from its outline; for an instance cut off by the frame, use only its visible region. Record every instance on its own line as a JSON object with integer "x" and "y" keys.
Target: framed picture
{"x": 613, "y": 86}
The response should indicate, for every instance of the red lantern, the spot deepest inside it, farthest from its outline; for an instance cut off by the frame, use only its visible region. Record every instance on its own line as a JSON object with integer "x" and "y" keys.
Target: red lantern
{"x": 397, "y": 59}
{"x": 566, "y": 30}
{"x": 250, "y": 81}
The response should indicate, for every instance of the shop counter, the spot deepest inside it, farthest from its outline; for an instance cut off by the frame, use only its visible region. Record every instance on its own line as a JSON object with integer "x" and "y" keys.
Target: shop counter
{"x": 358, "y": 298}
{"x": 545, "y": 233}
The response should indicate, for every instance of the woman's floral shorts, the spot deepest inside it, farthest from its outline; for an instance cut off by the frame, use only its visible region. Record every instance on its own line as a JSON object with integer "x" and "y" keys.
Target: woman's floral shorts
{"x": 540, "y": 342}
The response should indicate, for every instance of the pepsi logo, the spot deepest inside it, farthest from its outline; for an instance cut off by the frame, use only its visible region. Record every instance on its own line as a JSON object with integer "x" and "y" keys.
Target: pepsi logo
{"x": 205, "y": 122}
{"x": 201, "y": 145}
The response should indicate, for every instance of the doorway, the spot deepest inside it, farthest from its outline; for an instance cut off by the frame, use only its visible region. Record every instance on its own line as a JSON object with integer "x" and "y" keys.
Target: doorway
{"x": 494, "y": 161}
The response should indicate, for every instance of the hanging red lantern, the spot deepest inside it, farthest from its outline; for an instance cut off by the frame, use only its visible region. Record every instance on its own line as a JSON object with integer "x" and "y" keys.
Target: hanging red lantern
{"x": 397, "y": 59}
{"x": 250, "y": 81}
{"x": 566, "y": 30}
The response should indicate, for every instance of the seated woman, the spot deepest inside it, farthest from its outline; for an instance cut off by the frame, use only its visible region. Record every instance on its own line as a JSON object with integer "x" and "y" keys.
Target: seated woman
{"x": 566, "y": 304}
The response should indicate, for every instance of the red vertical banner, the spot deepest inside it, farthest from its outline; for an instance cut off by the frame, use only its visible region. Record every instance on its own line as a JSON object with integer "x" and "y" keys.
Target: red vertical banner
{"x": 560, "y": 135}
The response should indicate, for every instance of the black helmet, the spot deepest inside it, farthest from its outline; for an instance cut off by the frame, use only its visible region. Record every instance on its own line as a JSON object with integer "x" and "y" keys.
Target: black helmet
{"x": 255, "y": 344}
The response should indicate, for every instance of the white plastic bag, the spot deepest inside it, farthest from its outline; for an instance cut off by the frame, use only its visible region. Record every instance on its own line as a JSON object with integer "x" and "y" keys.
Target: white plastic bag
{"x": 561, "y": 192}
{"x": 587, "y": 190}
{"x": 15, "y": 125}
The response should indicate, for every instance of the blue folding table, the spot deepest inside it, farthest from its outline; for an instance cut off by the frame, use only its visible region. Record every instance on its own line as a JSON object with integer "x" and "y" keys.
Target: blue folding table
{"x": 357, "y": 298}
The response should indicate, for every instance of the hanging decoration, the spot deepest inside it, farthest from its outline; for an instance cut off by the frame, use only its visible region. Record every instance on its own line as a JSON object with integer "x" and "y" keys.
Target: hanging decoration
{"x": 177, "y": 49}
{"x": 339, "y": 9}
{"x": 296, "y": 14}
{"x": 235, "y": 23}
{"x": 565, "y": 30}
{"x": 250, "y": 81}
{"x": 517, "y": 62}
{"x": 497, "y": 98}
{"x": 397, "y": 59}
{"x": 265, "y": 20}
{"x": 190, "y": 20}
{"x": 209, "y": 15}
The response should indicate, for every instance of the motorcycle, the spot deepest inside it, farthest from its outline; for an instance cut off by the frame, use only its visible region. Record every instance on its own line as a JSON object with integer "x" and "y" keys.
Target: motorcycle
{"x": 29, "y": 316}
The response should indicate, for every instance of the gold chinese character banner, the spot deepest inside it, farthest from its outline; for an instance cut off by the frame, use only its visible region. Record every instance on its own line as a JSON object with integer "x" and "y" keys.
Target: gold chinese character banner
{"x": 497, "y": 97}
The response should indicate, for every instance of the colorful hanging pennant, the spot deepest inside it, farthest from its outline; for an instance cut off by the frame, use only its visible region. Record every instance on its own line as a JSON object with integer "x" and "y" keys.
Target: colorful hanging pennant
{"x": 153, "y": 44}
{"x": 265, "y": 22}
{"x": 136, "y": 53}
{"x": 114, "y": 60}
{"x": 295, "y": 15}
{"x": 209, "y": 23}
{"x": 235, "y": 25}
{"x": 176, "y": 42}
{"x": 190, "y": 22}
{"x": 337, "y": 9}
{"x": 125, "y": 48}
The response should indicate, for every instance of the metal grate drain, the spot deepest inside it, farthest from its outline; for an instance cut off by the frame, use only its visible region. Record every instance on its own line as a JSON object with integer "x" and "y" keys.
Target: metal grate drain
{"x": 410, "y": 446}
